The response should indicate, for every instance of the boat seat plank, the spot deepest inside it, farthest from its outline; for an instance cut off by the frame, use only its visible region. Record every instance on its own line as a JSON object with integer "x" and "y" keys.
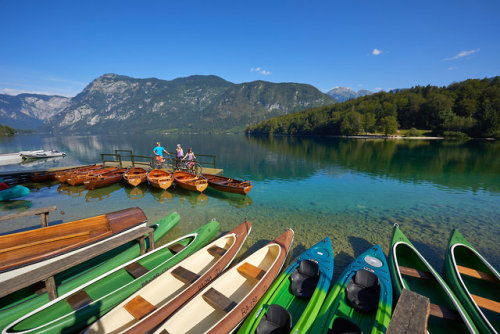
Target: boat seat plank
{"x": 176, "y": 248}
{"x": 136, "y": 269}
{"x": 139, "y": 307}
{"x": 218, "y": 301}
{"x": 44, "y": 241}
{"x": 216, "y": 251}
{"x": 415, "y": 273}
{"x": 185, "y": 275}
{"x": 476, "y": 273}
{"x": 485, "y": 303}
{"x": 250, "y": 271}
{"x": 79, "y": 299}
{"x": 444, "y": 312}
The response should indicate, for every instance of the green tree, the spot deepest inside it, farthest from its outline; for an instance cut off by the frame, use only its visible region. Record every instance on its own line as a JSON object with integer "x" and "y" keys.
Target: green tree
{"x": 389, "y": 125}
{"x": 351, "y": 123}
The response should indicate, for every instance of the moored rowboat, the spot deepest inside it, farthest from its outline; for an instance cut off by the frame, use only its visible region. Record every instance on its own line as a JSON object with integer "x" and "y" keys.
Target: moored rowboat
{"x": 79, "y": 178}
{"x": 410, "y": 270}
{"x": 20, "y": 249}
{"x": 190, "y": 181}
{"x": 160, "y": 179}
{"x": 63, "y": 175}
{"x": 361, "y": 299}
{"x": 297, "y": 294}
{"x": 106, "y": 179}
{"x": 147, "y": 308}
{"x": 228, "y": 184}
{"x": 135, "y": 176}
{"x": 222, "y": 304}
{"x": 475, "y": 282}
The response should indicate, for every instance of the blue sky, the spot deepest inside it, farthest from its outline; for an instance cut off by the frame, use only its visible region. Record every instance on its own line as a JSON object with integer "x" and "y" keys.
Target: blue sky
{"x": 61, "y": 46}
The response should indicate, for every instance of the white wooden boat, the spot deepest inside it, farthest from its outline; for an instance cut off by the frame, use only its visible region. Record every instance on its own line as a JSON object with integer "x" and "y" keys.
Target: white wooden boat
{"x": 150, "y": 306}
{"x": 225, "y": 302}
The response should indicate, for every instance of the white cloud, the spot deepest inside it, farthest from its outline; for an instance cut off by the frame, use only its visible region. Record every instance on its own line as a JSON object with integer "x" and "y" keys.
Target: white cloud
{"x": 376, "y": 52}
{"x": 378, "y": 89}
{"x": 462, "y": 54}
{"x": 452, "y": 68}
{"x": 260, "y": 70}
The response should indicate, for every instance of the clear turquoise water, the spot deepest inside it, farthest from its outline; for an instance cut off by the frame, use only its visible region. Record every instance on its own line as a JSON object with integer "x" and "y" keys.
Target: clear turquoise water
{"x": 349, "y": 189}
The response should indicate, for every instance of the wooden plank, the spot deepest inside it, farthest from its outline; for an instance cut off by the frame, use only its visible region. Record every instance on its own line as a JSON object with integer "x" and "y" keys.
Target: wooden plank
{"x": 44, "y": 217}
{"x": 444, "y": 312}
{"x": 50, "y": 285}
{"x": 79, "y": 299}
{"x": 139, "y": 307}
{"x": 476, "y": 274}
{"x": 250, "y": 271}
{"x": 185, "y": 275}
{"x": 142, "y": 245}
{"x": 410, "y": 315}
{"x": 151, "y": 237}
{"x": 136, "y": 269}
{"x": 176, "y": 248}
{"x": 218, "y": 301}
{"x": 415, "y": 273}
{"x": 486, "y": 303}
{"x": 39, "y": 274}
{"x": 28, "y": 213}
{"x": 45, "y": 241}
{"x": 216, "y": 251}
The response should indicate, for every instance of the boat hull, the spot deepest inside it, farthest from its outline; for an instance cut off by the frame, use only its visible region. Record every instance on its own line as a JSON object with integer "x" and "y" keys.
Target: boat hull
{"x": 336, "y": 305}
{"x": 23, "y": 248}
{"x": 160, "y": 179}
{"x": 227, "y": 184}
{"x": 135, "y": 176}
{"x": 474, "y": 281}
{"x": 410, "y": 270}
{"x": 190, "y": 181}
{"x": 105, "y": 179}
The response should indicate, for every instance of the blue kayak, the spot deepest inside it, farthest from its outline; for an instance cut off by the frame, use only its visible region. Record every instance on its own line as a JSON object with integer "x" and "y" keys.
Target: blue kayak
{"x": 14, "y": 192}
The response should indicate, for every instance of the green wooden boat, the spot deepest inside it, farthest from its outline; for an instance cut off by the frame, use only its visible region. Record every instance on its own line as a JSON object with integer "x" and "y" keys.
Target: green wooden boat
{"x": 80, "y": 307}
{"x": 475, "y": 282}
{"x": 411, "y": 271}
{"x": 21, "y": 302}
{"x": 361, "y": 299}
{"x": 296, "y": 295}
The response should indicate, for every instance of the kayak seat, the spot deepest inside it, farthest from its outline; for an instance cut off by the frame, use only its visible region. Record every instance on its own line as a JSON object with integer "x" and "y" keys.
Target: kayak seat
{"x": 139, "y": 307}
{"x": 304, "y": 279}
{"x": 363, "y": 291}
{"x": 217, "y": 251}
{"x": 343, "y": 326}
{"x": 250, "y": 271}
{"x": 277, "y": 320}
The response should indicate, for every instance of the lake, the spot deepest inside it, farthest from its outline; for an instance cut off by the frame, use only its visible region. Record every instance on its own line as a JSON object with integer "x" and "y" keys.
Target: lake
{"x": 353, "y": 190}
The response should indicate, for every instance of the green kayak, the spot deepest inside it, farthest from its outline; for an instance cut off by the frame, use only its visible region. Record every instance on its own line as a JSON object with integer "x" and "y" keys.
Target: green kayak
{"x": 411, "y": 271}
{"x": 361, "y": 299}
{"x": 21, "y": 302}
{"x": 80, "y": 307}
{"x": 296, "y": 295}
{"x": 475, "y": 282}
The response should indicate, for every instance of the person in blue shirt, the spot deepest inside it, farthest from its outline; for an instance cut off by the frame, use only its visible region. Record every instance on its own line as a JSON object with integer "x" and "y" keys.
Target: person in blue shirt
{"x": 158, "y": 151}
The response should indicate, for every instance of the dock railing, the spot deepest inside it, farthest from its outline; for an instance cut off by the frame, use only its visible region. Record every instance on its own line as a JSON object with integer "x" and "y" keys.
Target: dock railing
{"x": 204, "y": 160}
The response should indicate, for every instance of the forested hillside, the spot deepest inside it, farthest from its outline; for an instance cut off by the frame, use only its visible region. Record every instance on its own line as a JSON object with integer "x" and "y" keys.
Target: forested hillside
{"x": 6, "y": 131}
{"x": 470, "y": 107}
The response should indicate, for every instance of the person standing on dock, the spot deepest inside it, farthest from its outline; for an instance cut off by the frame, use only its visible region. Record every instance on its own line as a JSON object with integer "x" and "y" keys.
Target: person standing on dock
{"x": 158, "y": 151}
{"x": 179, "y": 153}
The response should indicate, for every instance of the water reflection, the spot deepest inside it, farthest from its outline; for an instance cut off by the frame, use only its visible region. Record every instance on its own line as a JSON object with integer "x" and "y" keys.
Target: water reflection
{"x": 73, "y": 191}
{"x": 235, "y": 200}
{"x": 134, "y": 193}
{"x": 161, "y": 196}
{"x": 100, "y": 194}
{"x": 15, "y": 205}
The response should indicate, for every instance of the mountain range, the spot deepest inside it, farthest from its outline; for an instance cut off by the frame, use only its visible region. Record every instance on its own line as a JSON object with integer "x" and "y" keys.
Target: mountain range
{"x": 117, "y": 103}
{"x": 342, "y": 94}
